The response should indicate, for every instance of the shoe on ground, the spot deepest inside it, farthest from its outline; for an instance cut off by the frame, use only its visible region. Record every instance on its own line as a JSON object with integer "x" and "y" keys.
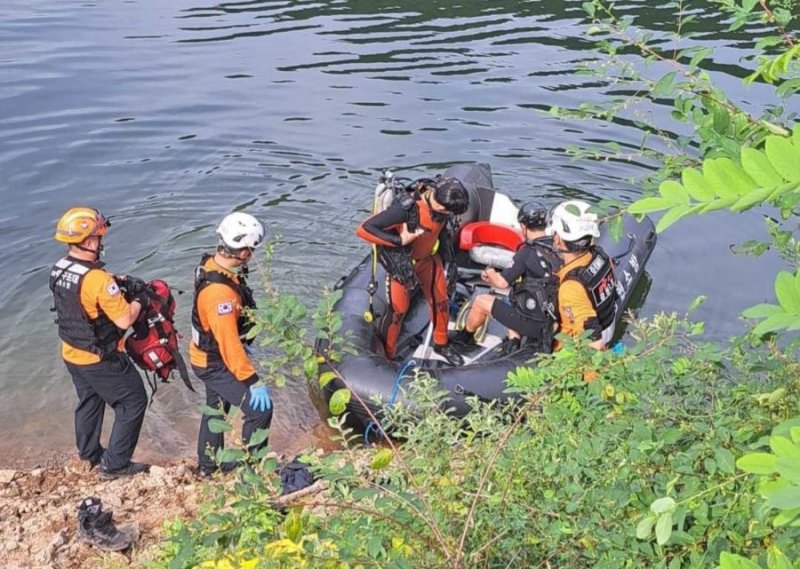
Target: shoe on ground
{"x": 130, "y": 469}
{"x": 96, "y": 527}
{"x": 507, "y": 346}
{"x": 462, "y": 338}
{"x": 449, "y": 353}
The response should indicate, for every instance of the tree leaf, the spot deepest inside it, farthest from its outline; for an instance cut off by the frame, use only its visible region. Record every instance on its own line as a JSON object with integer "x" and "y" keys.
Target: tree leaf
{"x": 784, "y": 448}
{"x": 762, "y": 311}
{"x": 758, "y": 166}
{"x": 777, "y": 560}
{"x": 672, "y": 191}
{"x": 786, "y": 498}
{"x": 751, "y": 199}
{"x": 219, "y": 426}
{"x": 615, "y": 228}
{"x": 725, "y": 460}
{"x": 645, "y": 527}
{"x": 775, "y": 322}
{"x": 663, "y": 505}
{"x": 258, "y": 437}
{"x": 381, "y": 459}
{"x": 700, "y": 55}
{"x": 339, "y": 401}
{"x": 649, "y": 205}
{"x": 732, "y": 561}
{"x": 211, "y": 411}
{"x": 787, "y": 292}
{"x": 785, "y": 517}
{"x": 783, "y": 156}
{"x": 757, "y": 463}
{"x": 672, "y": 216}
{"x": 665, "y": 86}
{"x": 664, "y": 528}
{"x": 326, "y": 377}
{"x": 726, "y": 178}
{"x": 696, "y": 184}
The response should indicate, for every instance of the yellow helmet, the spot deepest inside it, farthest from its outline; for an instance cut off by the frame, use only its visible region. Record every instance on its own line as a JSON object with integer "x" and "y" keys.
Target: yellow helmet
{"x": 80, "y": 223}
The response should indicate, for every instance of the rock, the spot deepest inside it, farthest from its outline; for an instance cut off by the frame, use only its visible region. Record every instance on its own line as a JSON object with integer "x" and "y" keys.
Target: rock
{"x": 59, "y": 540}
{"x": 113, "y": 501}
{"x": 37, "y": 473}
{"x": 6, "y": 476}
{"x": 157, "y": 471}
{"x": 132, "y": 529}
{"x": 11, "y": 546}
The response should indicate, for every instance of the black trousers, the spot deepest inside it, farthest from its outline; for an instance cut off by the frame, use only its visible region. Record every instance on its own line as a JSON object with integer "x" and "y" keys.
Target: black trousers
{"x": 222, "y": 391}
{"x": 114, "y": 382}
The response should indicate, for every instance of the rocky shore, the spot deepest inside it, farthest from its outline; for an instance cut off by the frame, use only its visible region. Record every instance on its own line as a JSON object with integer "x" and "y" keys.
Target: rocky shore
{"x": 38, "y": 514}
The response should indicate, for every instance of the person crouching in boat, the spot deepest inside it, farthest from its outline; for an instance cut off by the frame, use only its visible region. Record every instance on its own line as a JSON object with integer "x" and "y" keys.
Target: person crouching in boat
{"x": 587, "y": 295}
{"x": 407, "y": 235}
{"x": 530, "y": 310}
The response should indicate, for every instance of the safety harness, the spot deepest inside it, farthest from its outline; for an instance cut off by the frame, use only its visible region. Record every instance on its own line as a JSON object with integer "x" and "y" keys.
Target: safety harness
{"x": 99, "y": 335}
{"x": 205, "y": 339}
{"x": 597, "y": 277}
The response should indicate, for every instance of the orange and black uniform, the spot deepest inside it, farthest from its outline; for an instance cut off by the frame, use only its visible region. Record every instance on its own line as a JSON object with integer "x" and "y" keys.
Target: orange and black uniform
{"x": 87, "y": 299}
{"x": 587, "y": 296}
{"x": 382, "y": 229}
{"x": 218, "y": 355}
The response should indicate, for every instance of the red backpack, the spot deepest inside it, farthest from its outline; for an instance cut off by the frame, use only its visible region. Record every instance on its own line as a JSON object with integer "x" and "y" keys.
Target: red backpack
{"x": 153, "y": 345}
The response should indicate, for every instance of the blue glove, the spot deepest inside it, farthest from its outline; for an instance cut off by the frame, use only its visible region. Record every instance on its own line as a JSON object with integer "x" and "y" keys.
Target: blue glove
{"x": 259, "y": 398}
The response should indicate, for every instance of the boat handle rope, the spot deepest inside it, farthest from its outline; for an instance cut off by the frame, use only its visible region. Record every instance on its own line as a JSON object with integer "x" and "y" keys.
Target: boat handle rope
{"x": 392, "y": 397}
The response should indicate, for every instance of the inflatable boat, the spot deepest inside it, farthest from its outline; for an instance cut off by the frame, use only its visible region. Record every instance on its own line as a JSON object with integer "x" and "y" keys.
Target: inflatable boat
{"x": 488, "y": 235}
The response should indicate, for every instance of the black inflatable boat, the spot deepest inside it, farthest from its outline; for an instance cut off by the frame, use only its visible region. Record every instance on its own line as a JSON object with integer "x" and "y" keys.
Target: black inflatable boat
{"x": 484, "y": 229}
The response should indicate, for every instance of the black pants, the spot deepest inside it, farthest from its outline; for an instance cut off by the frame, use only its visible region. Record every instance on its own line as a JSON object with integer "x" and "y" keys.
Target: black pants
{"x": 116, "y": 383}
{"x": 222, "y": 391}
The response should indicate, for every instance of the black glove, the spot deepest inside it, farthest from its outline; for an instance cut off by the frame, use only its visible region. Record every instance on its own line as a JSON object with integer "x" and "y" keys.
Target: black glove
{"x": 131, "y": 287}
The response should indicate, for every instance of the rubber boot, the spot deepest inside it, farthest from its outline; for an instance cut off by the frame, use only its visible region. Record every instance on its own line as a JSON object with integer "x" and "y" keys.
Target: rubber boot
{"x": 96, "y": 527}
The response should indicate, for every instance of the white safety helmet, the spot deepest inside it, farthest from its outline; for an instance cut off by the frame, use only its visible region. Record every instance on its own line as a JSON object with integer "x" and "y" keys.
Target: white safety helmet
{"x": 572, "y": 221}
{"x": 239, "y": 230}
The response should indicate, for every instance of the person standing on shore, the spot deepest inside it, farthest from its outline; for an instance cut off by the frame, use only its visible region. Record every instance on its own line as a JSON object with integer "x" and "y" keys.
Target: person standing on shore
{"x": 92, "y": 315}
{"x": 218, "y": 350}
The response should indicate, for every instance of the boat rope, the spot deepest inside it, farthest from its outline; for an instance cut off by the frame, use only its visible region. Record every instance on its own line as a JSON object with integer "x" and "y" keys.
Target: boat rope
{"x": 392, "y": 397}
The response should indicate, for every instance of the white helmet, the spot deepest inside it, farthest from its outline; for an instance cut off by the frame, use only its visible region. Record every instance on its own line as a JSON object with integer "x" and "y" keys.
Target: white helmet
{"x": 572, "y": 221}
{"x": 239, "y": 230}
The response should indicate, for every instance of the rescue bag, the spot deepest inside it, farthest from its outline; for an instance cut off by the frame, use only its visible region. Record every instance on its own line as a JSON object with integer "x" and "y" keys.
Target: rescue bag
{"x": 153, "y": 344}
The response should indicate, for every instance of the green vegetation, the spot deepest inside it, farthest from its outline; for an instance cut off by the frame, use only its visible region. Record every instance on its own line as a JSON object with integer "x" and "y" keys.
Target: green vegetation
{"x": 682, "y": 453}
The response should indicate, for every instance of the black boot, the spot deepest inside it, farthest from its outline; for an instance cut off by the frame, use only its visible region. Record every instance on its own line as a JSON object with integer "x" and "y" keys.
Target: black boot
{"x": 462, "y": 338}
{"x": 129, "y": 469}
{"x": 507, "y": 346}
{"x": 449, "y": 353}
{"x": 96, "y": 527}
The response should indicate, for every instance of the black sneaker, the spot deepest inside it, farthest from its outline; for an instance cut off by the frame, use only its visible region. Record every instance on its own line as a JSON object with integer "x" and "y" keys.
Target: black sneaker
{"x": 97, "y": 528}
{"x": 462, "y": 338}
{"x": 208, "y": 471}
{"x": 449, "y": 353}
{"x": 507, "y": 346}
{"x": 130, "y": 469}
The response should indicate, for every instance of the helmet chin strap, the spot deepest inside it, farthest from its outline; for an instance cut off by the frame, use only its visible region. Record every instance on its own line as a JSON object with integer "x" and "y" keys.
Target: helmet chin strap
{"x": 96, "y": 252}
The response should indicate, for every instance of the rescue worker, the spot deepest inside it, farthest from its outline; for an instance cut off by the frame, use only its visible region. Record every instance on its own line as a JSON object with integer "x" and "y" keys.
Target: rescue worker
{"x": 92, "y": 315}
{"x": 218, "y": 351}
{"x": 530, "y": 310}
{"x": 587, "y": 294}
{"x": 417, "y": 221}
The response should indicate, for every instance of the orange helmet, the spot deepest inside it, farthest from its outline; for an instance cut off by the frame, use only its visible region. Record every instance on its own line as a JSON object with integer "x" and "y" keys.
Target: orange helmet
{"x": 80, "y": 223}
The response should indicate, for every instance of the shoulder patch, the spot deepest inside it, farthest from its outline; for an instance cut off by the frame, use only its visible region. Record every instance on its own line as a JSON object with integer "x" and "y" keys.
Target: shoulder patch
{"x": 112, "y": 289}
{"x": 225, "y": 307}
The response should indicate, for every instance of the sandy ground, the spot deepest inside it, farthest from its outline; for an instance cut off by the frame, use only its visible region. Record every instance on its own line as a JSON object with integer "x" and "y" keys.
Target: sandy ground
{"x": 38, "y": 514}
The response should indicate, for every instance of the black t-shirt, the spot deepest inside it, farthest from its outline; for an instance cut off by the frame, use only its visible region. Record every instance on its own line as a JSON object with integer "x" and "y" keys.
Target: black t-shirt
{"x": 535, "y": 259}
